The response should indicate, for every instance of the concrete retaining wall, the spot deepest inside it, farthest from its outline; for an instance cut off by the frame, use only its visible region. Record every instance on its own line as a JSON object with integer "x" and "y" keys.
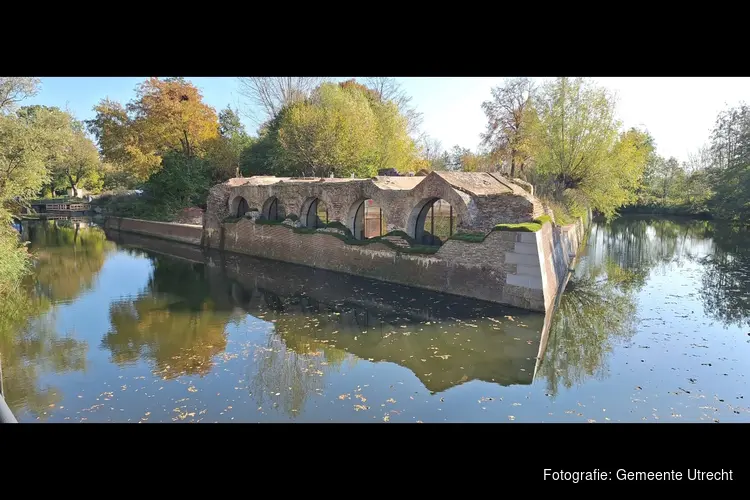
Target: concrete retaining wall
{"x": 184, "y": 233}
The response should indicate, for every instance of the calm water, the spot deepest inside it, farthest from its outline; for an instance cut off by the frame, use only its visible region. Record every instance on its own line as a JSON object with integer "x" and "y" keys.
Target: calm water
{"x": 653, "y": 326}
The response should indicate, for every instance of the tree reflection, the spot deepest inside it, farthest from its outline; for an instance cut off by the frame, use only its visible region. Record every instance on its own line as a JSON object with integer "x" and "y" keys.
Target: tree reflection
{"x": 725, "y": 287}
{"x": 69, "y": 257}
{"x": 596, "y": 311}
{"x": 598, "y": 307}
{"x": 174, "y": 323}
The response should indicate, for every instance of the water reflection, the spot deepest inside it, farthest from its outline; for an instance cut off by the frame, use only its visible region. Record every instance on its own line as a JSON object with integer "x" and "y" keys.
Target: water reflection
{"x": 599, "y": 308}
{"x": 726, "y": 281}
{"x": 69, "y": 257}
{"x": 322, "y": 321}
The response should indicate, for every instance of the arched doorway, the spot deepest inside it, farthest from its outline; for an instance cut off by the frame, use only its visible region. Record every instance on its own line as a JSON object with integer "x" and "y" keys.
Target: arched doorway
{"x": 435, "y": 223}
{"x": 368, "y": 220}
{"x": 242, "y": 207}
{"x": 271, "y": 209}
{"x": 317, "y": 214}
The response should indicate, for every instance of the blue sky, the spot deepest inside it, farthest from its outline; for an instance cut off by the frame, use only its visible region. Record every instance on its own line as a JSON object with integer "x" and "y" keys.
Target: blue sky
{"x": 679, "y": 112}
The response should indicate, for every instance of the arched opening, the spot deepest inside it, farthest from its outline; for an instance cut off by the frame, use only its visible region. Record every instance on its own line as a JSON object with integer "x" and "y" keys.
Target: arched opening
{"x": 242, "y": 207}
{"x": 435, "y": 223}
{"x": 317, "y": 214}
{"x": 271, "y": 209}
{"x": 368, "y": 220}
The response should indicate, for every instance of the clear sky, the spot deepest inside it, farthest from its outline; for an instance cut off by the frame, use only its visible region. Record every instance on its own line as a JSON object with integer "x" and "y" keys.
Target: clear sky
{"x": 679, "y": 112}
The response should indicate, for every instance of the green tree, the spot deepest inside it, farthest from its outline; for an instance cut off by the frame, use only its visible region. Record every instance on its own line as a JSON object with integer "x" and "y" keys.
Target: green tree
{"x": 225, "y": 151}
{"x": 78, "y": 164}
{"x": 579, "y": 149}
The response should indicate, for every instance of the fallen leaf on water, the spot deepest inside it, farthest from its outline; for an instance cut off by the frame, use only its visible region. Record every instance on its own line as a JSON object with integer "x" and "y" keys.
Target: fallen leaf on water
{"x": 344, "y": 396}
{"x": 386, "y": 418}
{"x": 192, "y": 389}
{"x": 361, "y": 407}
{"x": 511, "y": 417}
{"x": 390, "y": 400}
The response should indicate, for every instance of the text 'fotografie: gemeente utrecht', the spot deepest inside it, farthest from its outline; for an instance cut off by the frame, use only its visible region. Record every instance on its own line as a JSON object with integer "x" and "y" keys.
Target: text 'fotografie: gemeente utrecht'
{"x": 626, "y": 475}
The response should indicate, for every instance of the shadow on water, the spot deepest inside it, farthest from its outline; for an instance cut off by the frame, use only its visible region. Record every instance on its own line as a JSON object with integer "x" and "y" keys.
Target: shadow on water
{"x": 599, "y": 308}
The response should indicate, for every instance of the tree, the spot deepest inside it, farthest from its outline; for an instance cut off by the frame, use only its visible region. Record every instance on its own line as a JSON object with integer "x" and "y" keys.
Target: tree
{"x": 30, "y": 141}
{"x": 271, "y": 93}
{"x": 14, "y": 89}
{"x": 225, "y": 151}
{"x": 389, "y": 89}
{"x": 166, "y": 115}
{"x": 131, "y": 154}
{"x": 333, "y": 132}
{"x": 579, "y": 150}
{"x": 171, "y": 112}
{"x": 78, "y": 163}
{"x": 511, "y": 121}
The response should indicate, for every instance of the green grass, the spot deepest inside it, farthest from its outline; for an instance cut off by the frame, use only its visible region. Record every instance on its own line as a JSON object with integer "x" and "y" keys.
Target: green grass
{"x": 472, "y": 237}
{"x": 349, "y": 239}
{"x": 266, "y": 222}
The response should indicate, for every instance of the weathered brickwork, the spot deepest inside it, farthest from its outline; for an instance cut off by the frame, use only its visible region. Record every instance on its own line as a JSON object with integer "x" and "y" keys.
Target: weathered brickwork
{"x": 520, "y": 269}
{"x": 479, "y": 200}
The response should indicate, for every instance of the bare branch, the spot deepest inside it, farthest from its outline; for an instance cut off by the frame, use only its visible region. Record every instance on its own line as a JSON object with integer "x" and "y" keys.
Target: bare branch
{"x": 267, "y": 95}
{"x": 14, "y": 89}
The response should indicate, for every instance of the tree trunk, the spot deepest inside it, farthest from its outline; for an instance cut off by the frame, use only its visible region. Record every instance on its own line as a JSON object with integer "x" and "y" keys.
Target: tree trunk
{"x": 512, "y": 164}
{"x": 73, "y": 186}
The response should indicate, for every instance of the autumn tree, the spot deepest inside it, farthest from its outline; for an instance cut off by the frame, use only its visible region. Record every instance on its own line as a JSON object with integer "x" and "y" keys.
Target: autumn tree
{"x": 511, "y": 123}
{"x": 166, "y": 115}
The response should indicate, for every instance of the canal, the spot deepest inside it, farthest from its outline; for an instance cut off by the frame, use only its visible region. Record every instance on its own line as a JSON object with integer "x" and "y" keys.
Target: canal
{"x": 653, "y": 326}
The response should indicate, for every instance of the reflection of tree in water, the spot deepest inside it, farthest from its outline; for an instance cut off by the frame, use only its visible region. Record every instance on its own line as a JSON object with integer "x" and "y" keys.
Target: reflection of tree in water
{"x": 69, "y": 257}
{"x": 643, "y": 243}
{"x": 726, "y": 280}
{"x": 293, "y": 363}
{"x": 598, "y": 308}
{"x": 596, "y": 311}
{"x": 174, "y": 323}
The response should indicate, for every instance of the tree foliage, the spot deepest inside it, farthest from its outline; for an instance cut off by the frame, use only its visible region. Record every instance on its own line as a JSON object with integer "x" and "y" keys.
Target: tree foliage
{"x": 342, "y": 129}
{"x": 225, "y": 151}
{"x": 166, "y": 115}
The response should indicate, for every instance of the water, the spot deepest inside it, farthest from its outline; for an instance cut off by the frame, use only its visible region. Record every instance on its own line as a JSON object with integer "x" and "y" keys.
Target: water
{"x": 114, "y": 327}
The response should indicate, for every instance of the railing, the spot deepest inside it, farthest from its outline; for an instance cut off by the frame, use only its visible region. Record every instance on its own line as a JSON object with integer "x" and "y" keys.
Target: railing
{"x": 6, "y": 416}
{"x": 72, "y": 207}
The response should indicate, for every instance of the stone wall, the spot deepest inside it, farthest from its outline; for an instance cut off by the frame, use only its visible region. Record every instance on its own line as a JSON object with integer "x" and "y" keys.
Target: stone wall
{"x": 479, "y": 200}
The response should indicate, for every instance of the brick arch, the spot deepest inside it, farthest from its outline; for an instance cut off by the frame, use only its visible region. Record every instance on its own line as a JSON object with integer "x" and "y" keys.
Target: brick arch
{"x": 304, "y": 214}
{"x": 235, "y": 205}
{"x": 352, "y": 218}
{"x": 268, "y": 210}
{"x": 417, "y": 217}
